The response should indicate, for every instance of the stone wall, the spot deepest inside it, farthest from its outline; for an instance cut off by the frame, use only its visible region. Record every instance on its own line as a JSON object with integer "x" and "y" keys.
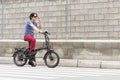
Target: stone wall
{"x": 86, "y": 19}
{"x": 71, "y": 50}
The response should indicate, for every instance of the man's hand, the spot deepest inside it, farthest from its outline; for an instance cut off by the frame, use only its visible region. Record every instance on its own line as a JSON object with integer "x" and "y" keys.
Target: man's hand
{"x": 40, "y": 31}
{"x": 39, "y": 23}
{"x": 39, "y": 18}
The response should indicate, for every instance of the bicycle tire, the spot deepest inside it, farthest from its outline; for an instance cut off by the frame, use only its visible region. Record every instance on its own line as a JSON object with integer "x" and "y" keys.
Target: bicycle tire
{"x": 47, "y": 56}
{"x": 17, "y": 55}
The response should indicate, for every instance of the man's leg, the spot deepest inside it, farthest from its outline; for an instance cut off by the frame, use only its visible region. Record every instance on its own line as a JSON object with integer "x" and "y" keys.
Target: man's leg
{"x": 32, "y": 42}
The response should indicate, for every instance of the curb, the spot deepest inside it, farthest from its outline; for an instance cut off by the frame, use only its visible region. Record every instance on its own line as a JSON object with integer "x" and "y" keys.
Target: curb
{"x": 72, "y": 63}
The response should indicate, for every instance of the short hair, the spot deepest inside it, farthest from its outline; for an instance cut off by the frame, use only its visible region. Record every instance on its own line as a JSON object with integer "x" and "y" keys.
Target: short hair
{"x": 33, "y": 15}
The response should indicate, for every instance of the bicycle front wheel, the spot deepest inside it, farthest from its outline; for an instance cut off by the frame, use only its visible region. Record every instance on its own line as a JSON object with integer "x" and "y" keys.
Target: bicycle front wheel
{"x": 51, "y": 59}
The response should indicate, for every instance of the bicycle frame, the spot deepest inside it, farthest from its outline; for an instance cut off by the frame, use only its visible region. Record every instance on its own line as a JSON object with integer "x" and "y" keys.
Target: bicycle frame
{"x": 47, "y": 41}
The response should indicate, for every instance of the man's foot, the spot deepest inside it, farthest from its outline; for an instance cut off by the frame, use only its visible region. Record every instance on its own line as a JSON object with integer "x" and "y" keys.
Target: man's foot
{"x": 32, "y": 63}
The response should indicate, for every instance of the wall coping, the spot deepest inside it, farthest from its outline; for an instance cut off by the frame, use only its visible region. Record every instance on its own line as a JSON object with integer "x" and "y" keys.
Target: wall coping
{"x": 64, "y": 40}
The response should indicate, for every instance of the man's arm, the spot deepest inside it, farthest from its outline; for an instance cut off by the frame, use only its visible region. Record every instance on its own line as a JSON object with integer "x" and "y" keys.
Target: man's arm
{"x": 39, "y": 23}
{"x": 36, "y": 29}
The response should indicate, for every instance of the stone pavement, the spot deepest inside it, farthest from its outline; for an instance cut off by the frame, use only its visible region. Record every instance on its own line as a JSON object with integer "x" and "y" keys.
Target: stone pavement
{"x": 27, "y": 72}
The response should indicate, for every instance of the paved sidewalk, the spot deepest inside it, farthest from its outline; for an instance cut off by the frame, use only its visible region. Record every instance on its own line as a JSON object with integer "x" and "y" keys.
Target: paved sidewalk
{"x": 72, "y": 63}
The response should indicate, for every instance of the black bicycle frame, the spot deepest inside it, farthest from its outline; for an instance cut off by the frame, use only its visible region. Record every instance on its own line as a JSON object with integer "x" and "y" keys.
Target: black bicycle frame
{"x": 46, "y": 43}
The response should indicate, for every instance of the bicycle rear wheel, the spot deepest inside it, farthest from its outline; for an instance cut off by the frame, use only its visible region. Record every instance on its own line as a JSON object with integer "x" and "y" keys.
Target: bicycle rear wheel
{"x": 20, "y": 59}
{"x": 51, "y": 59}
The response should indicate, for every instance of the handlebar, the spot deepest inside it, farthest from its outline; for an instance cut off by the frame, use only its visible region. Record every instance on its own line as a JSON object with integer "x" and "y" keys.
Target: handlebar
{"x": 45, "y": 33}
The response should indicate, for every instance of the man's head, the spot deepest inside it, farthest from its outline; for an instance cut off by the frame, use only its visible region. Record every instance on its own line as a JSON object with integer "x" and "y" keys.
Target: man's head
{"x": 33, "y": 16}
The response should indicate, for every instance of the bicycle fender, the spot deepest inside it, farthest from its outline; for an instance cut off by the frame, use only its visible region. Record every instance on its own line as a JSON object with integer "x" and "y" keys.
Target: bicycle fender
{"x": 16, "y": 51}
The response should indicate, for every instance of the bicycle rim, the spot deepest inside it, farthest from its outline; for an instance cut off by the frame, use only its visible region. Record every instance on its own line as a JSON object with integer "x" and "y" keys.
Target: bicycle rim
{"x": 52, "y": 59}
{"x": 20, "y": 59}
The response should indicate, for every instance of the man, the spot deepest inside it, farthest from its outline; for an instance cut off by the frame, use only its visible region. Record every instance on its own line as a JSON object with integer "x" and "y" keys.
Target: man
{"x": 32, "y": 25}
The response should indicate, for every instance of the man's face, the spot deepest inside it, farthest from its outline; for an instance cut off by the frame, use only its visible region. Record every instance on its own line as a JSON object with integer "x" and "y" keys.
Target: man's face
{"x": 34, "y": 18}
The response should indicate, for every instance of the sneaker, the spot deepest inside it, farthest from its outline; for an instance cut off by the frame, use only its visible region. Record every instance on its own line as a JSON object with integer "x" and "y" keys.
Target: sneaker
{"x": 32, "y": 63}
